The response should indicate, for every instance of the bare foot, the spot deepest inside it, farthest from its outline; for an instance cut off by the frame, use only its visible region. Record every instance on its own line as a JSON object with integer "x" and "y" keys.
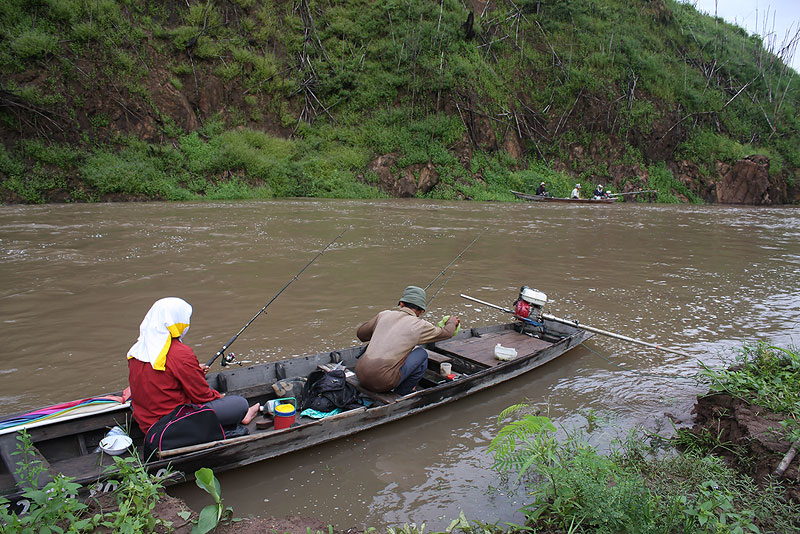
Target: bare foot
{"x": 251, "y": 413}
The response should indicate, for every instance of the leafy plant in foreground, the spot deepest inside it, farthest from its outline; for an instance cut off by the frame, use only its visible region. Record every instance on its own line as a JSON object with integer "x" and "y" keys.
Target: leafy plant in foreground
{"x": 213, "y": 514}
{"x": 53, "y": 507}
{"x": 574, "y": 488}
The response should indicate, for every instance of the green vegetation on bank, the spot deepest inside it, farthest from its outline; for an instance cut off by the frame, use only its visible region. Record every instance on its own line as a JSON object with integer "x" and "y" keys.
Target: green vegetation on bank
{"x": 640, "y": 487}
{"x": 764, "y": 375}
{"x": 634, "y": 488}
{"x": 241, "y": 99}
{"x": 56, "y": 507}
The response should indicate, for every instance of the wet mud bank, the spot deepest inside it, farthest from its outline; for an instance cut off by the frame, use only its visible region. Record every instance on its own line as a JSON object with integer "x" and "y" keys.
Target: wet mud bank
{"x": 170, "y": 510}
{"x": 748, "y": 437}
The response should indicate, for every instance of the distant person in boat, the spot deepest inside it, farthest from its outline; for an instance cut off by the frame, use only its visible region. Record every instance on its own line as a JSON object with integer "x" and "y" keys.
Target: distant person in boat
{"x": 393, "y": 360}
{"x": 599, "y": 193}
{"x": 576, "y": 192}
{"x": 164, "y": 373}
{"x": 542, "y": 190}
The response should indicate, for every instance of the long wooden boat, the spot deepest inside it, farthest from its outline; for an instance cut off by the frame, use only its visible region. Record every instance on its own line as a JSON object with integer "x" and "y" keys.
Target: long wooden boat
{"x": 540, "y": 198}
{"x": 68, "y": 445}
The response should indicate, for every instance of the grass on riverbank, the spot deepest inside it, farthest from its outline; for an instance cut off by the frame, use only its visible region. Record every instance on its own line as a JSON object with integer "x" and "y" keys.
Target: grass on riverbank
{"x": 219, "y": 164}
{"x": 635, "y": 488}
{"x": 101, "y": 100}
{"x": 767, "y": 376}
{"x": 641, "y": 488}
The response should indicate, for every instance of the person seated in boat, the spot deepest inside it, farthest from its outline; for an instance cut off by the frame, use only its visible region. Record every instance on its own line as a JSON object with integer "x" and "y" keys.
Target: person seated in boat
{"x": 393, "y": 361}
{"x": 599, "y": 193}
{"x": 542, "y": 190}
{"x": 576, "y": 192}
{"x": 164, "y": 373}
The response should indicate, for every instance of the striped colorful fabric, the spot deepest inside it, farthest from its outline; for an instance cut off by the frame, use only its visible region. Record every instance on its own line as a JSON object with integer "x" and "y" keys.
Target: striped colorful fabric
{"x": 57, "y": 410}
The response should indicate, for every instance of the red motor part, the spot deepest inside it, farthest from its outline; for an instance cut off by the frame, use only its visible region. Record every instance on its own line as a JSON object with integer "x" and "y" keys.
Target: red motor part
{"x": 522, "y": 309}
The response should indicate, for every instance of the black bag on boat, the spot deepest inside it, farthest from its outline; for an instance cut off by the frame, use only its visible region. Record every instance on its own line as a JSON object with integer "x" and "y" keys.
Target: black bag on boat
{"x": 188, "y": 424}
{"x": 326, "y": 391}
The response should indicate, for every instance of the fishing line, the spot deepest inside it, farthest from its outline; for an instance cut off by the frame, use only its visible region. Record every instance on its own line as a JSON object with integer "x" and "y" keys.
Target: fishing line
{"x": 440, "y": 288}
{"x": 295, "y": 277}
{"x": 456, "y": 258}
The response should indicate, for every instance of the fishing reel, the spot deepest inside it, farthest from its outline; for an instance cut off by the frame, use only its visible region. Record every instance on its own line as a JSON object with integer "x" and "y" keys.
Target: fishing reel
{"x": 529, "y": 306}
{"x": 229, "y": 359}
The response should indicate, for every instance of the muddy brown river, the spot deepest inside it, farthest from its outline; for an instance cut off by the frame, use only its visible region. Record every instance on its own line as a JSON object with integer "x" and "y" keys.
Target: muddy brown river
{"x": 76, "y": 281}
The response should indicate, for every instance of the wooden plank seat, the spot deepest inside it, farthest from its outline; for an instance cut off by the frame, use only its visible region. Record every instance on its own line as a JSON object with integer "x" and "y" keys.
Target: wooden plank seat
{"x": 386, "y": 398}
{"x": 481, "y": 349}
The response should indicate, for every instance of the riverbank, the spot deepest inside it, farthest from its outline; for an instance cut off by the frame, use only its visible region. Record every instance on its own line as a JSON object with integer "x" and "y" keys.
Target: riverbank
{"x": 237, "y": 99}
{"x": 173, "y": 510}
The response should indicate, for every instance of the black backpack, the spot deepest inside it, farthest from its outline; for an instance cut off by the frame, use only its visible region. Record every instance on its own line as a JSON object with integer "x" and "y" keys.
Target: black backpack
{"x": 326, "y": 391}
{"x": 188, "y": 424}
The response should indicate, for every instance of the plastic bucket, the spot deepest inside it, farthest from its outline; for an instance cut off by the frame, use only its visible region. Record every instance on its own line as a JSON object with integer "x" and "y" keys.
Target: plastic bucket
{"x": 284, "y": 416}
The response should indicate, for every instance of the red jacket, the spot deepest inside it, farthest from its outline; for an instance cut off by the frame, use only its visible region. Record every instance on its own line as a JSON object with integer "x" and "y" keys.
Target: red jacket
{"x": 156, "y": 393}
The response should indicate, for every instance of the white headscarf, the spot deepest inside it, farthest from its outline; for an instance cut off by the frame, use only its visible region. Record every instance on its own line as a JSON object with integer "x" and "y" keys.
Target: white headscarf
{"x": 167, "y": 318}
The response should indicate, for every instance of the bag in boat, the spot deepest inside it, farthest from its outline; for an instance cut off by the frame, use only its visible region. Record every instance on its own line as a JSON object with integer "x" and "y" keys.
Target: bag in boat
{"x": 188, "y": 424}
{"x": 326, "y": 391}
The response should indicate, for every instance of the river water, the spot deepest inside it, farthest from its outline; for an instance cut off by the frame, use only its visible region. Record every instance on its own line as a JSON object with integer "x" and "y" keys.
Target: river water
{"x": 76, "y": 280}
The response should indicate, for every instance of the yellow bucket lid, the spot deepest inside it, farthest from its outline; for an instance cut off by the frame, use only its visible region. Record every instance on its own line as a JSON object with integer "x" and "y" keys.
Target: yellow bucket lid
{"x": 286, "y": 409}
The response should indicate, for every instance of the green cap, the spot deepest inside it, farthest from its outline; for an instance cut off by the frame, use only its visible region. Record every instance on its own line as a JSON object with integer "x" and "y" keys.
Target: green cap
{"x": 414, "y": 295}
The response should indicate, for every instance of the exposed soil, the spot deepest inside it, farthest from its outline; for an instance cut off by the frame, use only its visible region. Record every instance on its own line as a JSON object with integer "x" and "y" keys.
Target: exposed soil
{"x": 168, "y": 509}
{"x": 750, "y": 438}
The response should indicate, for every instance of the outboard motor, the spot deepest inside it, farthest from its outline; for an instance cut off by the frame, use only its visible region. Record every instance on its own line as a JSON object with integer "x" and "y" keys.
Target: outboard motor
{"x": 528, "y": 306}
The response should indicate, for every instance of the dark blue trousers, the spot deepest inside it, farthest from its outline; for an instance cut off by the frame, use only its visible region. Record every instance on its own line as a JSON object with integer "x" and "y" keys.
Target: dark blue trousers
{"x": 412, "y": 371}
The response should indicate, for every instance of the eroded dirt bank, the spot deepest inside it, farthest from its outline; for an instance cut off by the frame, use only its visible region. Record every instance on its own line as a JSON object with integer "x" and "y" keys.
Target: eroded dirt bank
{"x": 750, "y": 438}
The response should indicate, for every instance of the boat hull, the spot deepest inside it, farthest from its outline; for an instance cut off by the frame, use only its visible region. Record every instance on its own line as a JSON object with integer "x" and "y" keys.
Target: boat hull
{"x": 539, "y": 198}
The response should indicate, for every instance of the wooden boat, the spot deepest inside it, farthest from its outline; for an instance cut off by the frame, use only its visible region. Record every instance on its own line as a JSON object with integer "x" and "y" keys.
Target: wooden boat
{"x": 539, "y": 198}
{"x": 68, "y": 445}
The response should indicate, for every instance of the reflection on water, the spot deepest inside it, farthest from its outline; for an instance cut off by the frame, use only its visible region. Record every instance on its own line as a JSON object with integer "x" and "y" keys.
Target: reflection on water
{"x": 77, "y": 280}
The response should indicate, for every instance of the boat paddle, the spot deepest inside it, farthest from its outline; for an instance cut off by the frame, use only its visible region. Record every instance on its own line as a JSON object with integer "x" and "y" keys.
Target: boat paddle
{"x": 221, "y": 351}
{"x": 577, "y": 324}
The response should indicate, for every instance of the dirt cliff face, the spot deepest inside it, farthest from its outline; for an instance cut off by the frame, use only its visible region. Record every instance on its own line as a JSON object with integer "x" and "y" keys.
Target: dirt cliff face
{"x": 748, "y": 182}
{"x": 749, "y": 437}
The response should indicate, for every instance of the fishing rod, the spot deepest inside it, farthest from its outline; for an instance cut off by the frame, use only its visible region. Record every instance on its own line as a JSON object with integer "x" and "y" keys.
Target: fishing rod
{"x": 428, "y": 304}
{"x": 454, "y": 259}
{"x": 576, "y": 324}
{"x": 231, "y": 340}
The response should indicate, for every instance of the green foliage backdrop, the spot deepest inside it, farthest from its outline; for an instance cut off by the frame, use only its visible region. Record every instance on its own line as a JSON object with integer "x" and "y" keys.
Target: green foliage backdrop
{"x": 227, "y": 98}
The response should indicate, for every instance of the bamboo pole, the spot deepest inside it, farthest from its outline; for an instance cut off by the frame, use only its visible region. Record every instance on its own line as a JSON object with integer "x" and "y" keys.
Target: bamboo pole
{"x": 611, "y": 334}
{"x": 784, "y": 465}
{"x": 577, "y": 324}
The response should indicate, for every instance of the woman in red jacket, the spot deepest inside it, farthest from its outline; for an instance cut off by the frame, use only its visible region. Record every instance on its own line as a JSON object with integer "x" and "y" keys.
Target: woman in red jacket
{"x": 164, "y": 373}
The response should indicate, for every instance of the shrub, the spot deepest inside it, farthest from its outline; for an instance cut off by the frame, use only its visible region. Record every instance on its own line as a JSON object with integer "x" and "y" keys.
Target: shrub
{"x": 130, "y": 172}
{"x": 34, "y": 43}
{"x": 662, "y": 179}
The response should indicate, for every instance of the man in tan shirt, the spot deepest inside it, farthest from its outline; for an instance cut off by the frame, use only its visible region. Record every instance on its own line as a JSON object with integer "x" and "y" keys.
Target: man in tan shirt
{"x": 391, "y": 361}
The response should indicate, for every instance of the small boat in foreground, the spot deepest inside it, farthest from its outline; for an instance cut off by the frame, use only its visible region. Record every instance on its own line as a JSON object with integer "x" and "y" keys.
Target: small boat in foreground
{"x": 69, "y": 445}
{"x": 540, "y": 198}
